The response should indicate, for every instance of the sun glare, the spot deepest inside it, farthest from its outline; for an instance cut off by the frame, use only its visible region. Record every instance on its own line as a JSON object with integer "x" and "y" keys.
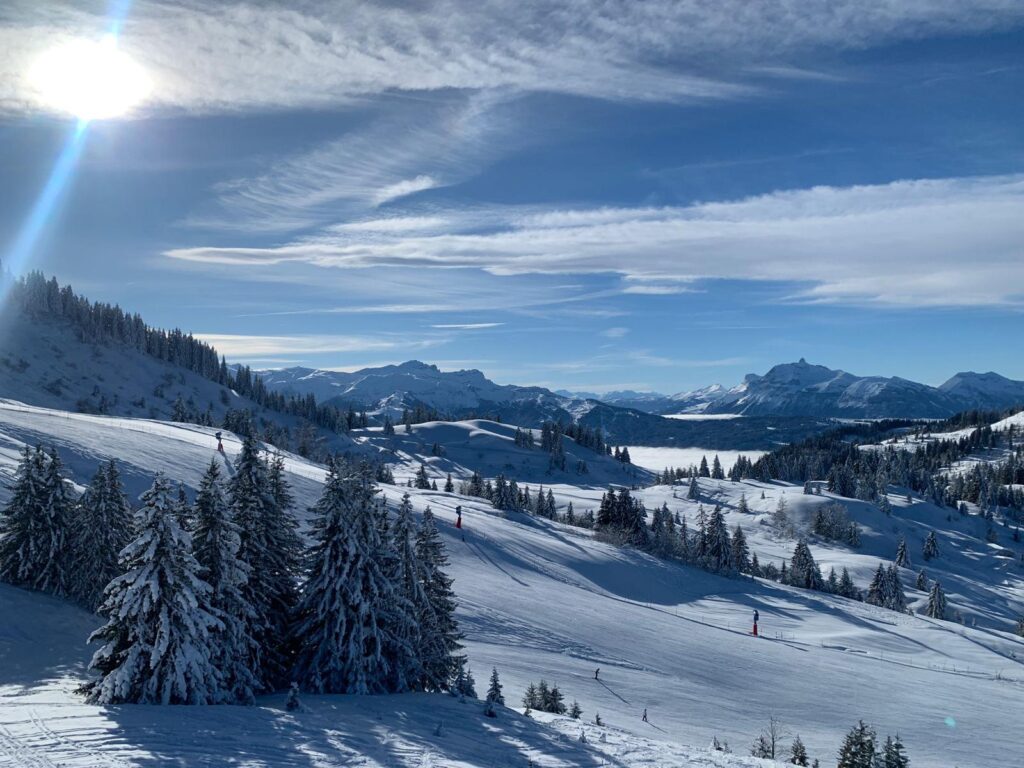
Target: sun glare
{"x": 90, "y": 79}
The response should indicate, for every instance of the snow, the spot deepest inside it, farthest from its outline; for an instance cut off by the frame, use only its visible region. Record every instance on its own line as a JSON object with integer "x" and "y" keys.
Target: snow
{"x": 703, "y": 416}
{"x": 542, "y": 600}
{"x": 657, "y": 459}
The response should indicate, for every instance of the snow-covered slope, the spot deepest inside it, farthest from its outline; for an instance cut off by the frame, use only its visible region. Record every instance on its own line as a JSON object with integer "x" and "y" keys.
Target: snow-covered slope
{"x": 44, "y": 362}
{"x": 488, "y": 447}
{"x": 541, "y": 600}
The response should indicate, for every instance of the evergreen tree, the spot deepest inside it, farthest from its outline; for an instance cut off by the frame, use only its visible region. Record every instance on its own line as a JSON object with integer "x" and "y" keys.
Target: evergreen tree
{"x": 858, "y": 749}
{"x": 894, "y": 753}
{"x": 216, "y": 542}
{"x": 449, "y": 486}
{"x": 846, "y": 586}
{"x": 157, "y": 639}
{"x": 931, "y": 546}
{"x": 740, "y": 551}
{"x": 35, "y": 527}
{"x": 922, "y": 581}
{"x": 704, "y": 472}
{"x": 270, "y": 548}
{"x": 575, "y": 711}
{"x": 716, "y": 469}
{"x": 902, "y": 558}
{"x": 405, "y": 575}
{"x": 693, "y": 494}
{"x": 101, "y": 529}
{"x": 439, "y": 642}
{"x": 494, "y": 694}
{"x": 798, "y": 753}
{"x": 719, "y": 549}
{"x": 937, "y": 601}
{"x": 422, "y": 482}
{"x": 803, "y": 570}
{"x": 343, "y": 612}
{"x": 877, "y": 588}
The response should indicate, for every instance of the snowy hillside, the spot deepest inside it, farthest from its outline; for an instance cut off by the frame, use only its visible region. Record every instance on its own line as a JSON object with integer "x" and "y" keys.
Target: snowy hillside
{"x": 488, "y": 448}
{"x": 539, "y": 600}
{"x": 43, "y": 361}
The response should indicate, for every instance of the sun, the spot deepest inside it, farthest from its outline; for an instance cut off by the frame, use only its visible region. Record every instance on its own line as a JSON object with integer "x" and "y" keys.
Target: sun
{"x": 90, "y": 79}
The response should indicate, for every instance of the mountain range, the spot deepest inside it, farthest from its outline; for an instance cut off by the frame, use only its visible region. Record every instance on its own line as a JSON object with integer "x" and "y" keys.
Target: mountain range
{"x": 799, "y": 390}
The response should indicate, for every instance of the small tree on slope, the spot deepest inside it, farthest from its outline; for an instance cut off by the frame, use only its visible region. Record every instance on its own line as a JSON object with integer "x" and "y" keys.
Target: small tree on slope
{"x": 216, "y": 542}
{"x": 494, "y": 694}
{"x": 858, "y": 749}
{"x": 35, "y": 526}
{"x": 937, "y": 601}
{"x": 158, "y": 633}
{"x": 102, "y": 528}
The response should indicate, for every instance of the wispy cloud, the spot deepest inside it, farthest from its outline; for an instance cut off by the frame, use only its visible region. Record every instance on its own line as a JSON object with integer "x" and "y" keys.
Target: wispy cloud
{"x": 249, "y": 347}
{"x": 466, "y": 326}
{"x": 617, "y": 332}
{"x": 907, "y": 243}
{"x": 406, "y": 151}
{"x": 224, "y": 57}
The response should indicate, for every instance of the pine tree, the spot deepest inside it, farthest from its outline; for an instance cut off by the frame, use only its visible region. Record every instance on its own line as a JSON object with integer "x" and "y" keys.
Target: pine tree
{"x": 931, "y": 546}
{"x": 343, "y": 612}
{"x": 158, "y": 647}
{"x": 922, "y": 581}
{"x": 902, "y": 558}
{"x": 704, "y": 472}
{"x": 877, "y": 588}
{"x": 216, "y": 542}
{"x": 449, "y": 486}
{"x": 439, "y": 642}
{"x": 897, "y": 599}
{"x": 894, "y": 753}
{"x": 422, "y": 482}
{"x": 858, "y": 749}
{"x": 937, "y": 601}
{"x": 740, "y": 551}
{"x": 35, "y": 527}
{"x": 719, "y": 549}
{"x": 405, "y": 575}
{"x": 693, "y": 494}
{"x": 494, "y": 694}
{"x": 270, "y": 548}
{"x": 575, "y": 711}
{"x": 846, "y": 586}
{"x": 101, "y": 529}
{"x": 798, "y": 753}
{"x": 531, "y": 699}
{"x": 803, "y": 571}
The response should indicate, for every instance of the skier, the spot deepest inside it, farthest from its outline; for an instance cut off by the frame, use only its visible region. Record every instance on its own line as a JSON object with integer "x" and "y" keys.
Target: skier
{"x": 756, "y": 616}
{"x": 220, "y": 444}
{"x": 597, "y": 672}
{"x": 645, "y": 715}
{"x": 458, "y": 519}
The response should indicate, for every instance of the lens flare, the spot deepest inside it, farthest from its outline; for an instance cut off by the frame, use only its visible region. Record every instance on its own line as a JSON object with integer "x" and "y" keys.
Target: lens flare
{"x": 89, "y": 79}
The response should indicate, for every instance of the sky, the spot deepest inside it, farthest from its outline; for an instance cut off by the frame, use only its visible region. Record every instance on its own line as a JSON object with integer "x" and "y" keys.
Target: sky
{"x": 582, "y": 195}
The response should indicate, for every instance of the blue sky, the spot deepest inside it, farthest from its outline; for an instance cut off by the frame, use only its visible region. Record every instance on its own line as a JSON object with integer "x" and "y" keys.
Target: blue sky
{"x": 590, "y": 196}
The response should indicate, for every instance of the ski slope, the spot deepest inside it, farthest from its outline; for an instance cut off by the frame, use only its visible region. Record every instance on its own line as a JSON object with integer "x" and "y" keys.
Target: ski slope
{"x": 542, "y": 600}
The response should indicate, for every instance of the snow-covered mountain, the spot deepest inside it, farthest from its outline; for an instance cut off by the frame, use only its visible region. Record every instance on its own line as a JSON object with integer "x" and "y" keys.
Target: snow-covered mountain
{"x": 803, "y": 389}
{"x": 542, "y": 600}
{"x": 984, "y": 390}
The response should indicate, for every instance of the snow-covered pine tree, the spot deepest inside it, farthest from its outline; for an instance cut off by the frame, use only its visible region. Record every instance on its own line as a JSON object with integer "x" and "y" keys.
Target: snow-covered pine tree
{"x": 404, "y": 572}
{"x": 449, "y": 486}
{"x": 494, "y": 694}
{"x": 101, "y": 529}
{"x": 439, "y": 648}
{"x": 922, "y": 580}
{"x": 897, "y": 599}
{"x": 931, "y": 546}
{"x": 846, "y": 585}
{"x": 858, "y": 749}
{"x": 422, "y": 482}
{"x": 35, "y": 527}
{"x": 719, "y": 549}
{"x": 345, "y": 607}
{"x": 803, "y": 570}
{"x": 157, "y": 639}
{"x": 797, "y": 753}
{"x": 877, "y": 588}
{"x": 937, "y": 601}
{"x": 716, "y": 469}
{"x": 740, "y": 551}
{"x": 216, "y": 541}
{"x": 693, "y": 494}
{"x": 894, "y": 754}
{"x": 575, "y": 710}
{"x": 270, "y": 547}
{"x": 902, "y": 557}
{"x": 704, "y": 471}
